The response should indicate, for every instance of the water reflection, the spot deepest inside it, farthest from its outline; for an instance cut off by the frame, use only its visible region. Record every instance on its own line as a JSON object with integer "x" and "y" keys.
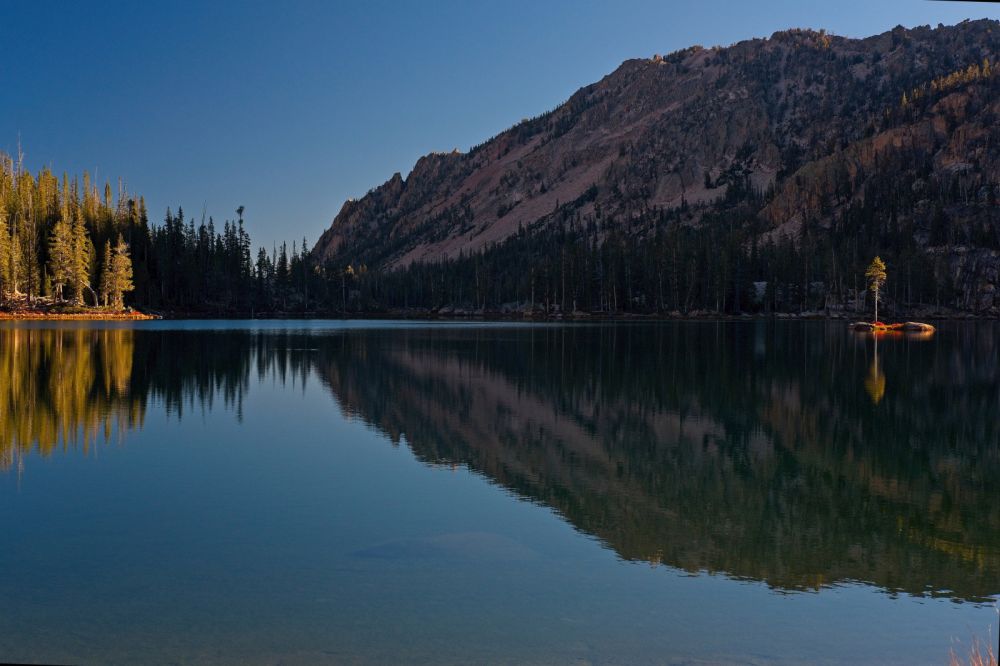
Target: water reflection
{"x": 64, "y": 388}
{"x": 742, "y": 449}
{"x": 875, "y": 381}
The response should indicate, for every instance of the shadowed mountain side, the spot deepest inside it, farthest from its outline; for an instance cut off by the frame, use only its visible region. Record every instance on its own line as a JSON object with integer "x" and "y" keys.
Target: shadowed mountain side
{"x": 806, "y": 142}
{"x": 765, "y": 461}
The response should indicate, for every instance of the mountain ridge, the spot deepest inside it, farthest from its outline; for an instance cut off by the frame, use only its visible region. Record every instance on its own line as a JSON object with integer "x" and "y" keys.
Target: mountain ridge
{"x": 785, "y": 132}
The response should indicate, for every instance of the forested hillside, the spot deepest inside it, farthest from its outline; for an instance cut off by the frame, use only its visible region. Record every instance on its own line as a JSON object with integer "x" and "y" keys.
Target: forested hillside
{"x": 754, "y": 178}
{"x": 762, "y": 177}
{"x": 64, "y": 241}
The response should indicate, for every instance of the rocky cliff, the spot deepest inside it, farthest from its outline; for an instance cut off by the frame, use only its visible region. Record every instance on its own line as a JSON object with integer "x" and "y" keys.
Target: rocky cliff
{"x": 798, "y": 129}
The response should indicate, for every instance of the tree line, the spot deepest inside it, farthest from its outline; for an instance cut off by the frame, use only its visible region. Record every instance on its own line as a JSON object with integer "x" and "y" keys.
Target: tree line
{"x": 49, "y": 229}
{"x": 730, "y": 261}
{"x": 937, "y": 227}
{"x": 65, "y": 241}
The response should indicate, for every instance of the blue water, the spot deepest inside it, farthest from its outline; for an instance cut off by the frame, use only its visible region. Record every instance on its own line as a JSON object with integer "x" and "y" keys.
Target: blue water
{"x": 386, "y": 492}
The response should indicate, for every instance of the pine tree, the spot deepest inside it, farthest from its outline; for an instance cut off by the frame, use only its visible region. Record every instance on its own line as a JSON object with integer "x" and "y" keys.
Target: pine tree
{"x": 264, "y": 272}
{"x": 5, "y": 250}
{"x": 14, "y": 261}
{"x": 82, "y": 258}
{"x": 105, "y": 283}
{"x": 27, "y": 266}
{"x": 281, "y": 269}
{"x": 305, "y": 274}
{"x": 876, "y": 278}
{"x": 61, "y": 255}
{"x": 121, "y": 274}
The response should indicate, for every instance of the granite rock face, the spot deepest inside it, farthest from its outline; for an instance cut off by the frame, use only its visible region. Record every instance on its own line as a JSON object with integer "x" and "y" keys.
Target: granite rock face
{"x": 797, "y": 127}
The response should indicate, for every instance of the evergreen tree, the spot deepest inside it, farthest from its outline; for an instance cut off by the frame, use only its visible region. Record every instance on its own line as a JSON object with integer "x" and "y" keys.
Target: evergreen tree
{"x": 105, "y": 284}
{"x": 14, "y": 262}
{"x": 264, "y": 277}
{"x": 28, "y": 259}
{"x": 120, "y": 281}
{"x": 5, "y": 251}
{"x": 82, "y": 256}
{"x": 876, "y": 279}
{"x": 61, "y": 256}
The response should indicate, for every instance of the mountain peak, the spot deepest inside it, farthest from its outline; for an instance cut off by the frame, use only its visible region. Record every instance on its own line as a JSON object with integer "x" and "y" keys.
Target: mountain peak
{"x": 761, "y": 124}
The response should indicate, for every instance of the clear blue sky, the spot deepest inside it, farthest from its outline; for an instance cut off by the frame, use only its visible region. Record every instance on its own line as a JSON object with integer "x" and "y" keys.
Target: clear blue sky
{"x": 291, "y": 107}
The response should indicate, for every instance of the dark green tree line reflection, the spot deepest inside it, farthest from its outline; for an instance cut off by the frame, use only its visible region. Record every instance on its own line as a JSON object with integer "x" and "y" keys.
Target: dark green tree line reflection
{"x": 753, "y": 450}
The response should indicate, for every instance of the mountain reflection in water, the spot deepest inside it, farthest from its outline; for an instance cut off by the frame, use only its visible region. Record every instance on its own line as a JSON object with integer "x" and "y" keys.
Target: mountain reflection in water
{"x": 786, "y": 453}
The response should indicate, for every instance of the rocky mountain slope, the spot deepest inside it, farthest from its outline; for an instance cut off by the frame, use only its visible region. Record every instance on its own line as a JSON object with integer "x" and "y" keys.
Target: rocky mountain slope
{"x": 794, "y": 128}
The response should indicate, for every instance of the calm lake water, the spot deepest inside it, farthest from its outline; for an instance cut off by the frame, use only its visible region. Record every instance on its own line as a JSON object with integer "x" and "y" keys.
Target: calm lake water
{"x": 380, "y": 492}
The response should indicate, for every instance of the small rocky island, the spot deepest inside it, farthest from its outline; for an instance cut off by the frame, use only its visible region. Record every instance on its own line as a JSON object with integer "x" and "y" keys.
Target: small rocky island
{"x": 880, "y": 327}
{"x": 876, "y": 276}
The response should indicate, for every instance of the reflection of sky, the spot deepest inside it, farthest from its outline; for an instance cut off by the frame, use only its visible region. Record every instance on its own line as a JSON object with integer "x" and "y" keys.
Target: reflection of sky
{"x": 213, "y": 538}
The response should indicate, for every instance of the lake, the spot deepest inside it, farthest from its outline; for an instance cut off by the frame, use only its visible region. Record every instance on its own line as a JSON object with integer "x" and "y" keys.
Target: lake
{"x": 384, "y": 492}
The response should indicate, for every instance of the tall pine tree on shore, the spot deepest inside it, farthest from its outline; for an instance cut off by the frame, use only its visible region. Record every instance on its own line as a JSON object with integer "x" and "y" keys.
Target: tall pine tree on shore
{"x": 61, "y": 259}
{"x": 5, "y": 247}
{"x": 82, "y": 254}
{"x": 104, "y": 285}
{"x": 119, "y": 281}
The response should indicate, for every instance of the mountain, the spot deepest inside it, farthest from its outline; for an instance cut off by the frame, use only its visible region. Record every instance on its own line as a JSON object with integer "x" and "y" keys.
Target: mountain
{"x": 888, "y": 143}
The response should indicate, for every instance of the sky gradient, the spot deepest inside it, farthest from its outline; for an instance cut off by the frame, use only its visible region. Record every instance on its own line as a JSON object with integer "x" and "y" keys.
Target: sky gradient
{"x": 290, "y": 108}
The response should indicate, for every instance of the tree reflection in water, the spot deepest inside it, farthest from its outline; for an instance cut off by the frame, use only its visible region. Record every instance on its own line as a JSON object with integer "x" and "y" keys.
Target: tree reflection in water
{"x": 746, "y": 449}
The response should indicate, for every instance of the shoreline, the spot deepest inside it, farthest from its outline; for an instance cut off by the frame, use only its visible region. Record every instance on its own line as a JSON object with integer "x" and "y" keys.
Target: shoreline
{"x": 77, "y": 316}
{"x": 580, "y": 316}
{"x": 487, "y": 316}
